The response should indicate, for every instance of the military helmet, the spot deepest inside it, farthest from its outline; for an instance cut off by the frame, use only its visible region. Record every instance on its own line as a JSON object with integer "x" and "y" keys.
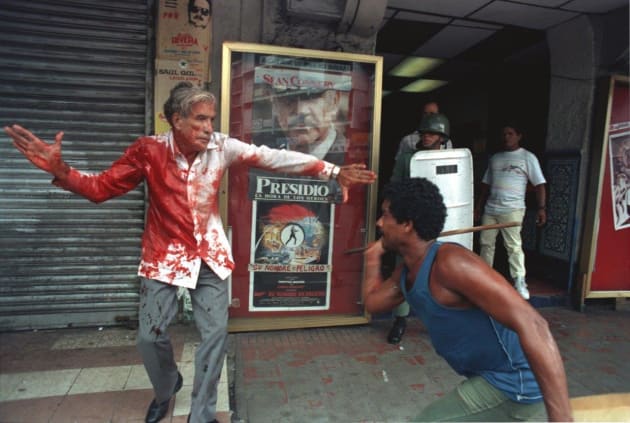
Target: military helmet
{"x": 436, "y": 123}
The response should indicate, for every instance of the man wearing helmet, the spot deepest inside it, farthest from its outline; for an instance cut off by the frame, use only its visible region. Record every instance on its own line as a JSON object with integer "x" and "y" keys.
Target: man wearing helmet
{"x": 408, "y": 144}
{"x": 433, "y": 134}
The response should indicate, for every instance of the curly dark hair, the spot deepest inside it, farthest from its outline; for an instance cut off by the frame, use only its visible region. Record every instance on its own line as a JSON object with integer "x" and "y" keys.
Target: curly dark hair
{"x": 417, "y": 200}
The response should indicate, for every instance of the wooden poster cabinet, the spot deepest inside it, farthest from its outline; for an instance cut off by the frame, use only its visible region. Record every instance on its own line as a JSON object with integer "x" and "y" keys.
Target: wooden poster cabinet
{"x": 289, "y": 233}
{"x": 605, "y": 259}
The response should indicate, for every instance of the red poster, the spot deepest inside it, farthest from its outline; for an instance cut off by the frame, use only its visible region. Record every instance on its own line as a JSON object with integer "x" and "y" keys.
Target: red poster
{"x": 612, "y": 262}
{"x": 290, "y": 255}
{"x": 289, "y": 242}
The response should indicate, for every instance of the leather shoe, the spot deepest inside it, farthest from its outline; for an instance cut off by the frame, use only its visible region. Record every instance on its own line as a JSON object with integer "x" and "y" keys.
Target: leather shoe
{"x": 397, "y": 331}
{"x": 157, "y": 410}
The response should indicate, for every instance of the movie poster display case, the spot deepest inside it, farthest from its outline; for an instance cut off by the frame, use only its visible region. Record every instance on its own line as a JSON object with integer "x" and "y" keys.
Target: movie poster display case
{"x": 290, "y": 233}
{"x": 605, "y": 259}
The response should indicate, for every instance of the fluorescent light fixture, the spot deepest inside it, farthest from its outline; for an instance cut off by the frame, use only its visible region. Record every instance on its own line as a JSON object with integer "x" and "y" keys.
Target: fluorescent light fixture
{"x": 423, "y": 86}
{"x": 413, "y": 67}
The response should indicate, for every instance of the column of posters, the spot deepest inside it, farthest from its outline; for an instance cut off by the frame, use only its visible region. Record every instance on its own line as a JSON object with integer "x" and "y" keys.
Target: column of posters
{"x": 184, "y": 32}
{"x": 299, "y": 105}
{"x": 292, "y": 230}
{"x": 619, "y": 145}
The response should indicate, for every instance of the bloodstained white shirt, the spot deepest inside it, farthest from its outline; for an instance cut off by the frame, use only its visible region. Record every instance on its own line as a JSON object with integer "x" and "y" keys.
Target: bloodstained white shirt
{"x": 183, "y": 224}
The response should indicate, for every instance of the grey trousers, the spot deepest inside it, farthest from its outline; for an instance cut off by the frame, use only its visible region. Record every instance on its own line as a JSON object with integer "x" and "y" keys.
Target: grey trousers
{"x": 158, "y": 307}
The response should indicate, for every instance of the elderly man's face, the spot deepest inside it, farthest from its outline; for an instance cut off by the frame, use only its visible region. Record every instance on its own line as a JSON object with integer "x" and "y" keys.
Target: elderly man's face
{"x": 199, "y": 13}
{"x": 192, "y": 133}
{"x": 306, "y": 119}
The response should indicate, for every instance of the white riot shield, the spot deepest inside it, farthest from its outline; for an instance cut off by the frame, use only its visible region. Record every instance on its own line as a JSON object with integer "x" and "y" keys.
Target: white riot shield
{"x": 452, "y": 171}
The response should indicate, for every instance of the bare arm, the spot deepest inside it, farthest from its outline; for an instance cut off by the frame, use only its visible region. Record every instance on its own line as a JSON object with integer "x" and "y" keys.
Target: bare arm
{"x": 43, "y": 155}
{"x": 541, "y": 200}
{"x": 297, "y": 163}
{"x": 121, "y": 177}
{"x": 378, "y": 294}
{"x": 468, "y": 275}
{"x": 544, "y": 358}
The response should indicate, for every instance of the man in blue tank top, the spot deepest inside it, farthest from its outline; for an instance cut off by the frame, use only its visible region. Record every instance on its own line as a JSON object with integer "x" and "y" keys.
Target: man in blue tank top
{"x": 477, "y": 322}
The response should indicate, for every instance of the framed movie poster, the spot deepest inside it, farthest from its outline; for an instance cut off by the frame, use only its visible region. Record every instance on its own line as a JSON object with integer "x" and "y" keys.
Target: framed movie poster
{"x": 619, "y": 160}
{"x": 289, "y": 233}
{"x": 604, "y": 265}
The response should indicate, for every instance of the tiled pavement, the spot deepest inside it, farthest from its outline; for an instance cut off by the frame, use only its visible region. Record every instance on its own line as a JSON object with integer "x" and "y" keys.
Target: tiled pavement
{"x": 89, "y": 375}
{"x": 345, "y": 374}
{"x": 352, "y": 375}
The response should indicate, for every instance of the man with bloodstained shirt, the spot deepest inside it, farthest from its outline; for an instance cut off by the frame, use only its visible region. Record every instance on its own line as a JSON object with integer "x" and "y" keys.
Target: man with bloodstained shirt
{"x": 184, "y": 244}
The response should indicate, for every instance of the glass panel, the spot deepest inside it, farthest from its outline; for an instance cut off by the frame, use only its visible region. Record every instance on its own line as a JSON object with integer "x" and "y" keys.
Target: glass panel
{"x": 289, "y": 233}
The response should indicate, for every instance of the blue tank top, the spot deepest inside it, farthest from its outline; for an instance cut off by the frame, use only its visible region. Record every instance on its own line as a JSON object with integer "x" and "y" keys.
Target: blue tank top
{"x": 472, "y": 342}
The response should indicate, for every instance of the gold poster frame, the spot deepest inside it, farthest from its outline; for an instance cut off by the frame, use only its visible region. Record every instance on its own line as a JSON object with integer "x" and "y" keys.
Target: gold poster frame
{"x": 592, "y": 216}
{"x": 229, "y": 48}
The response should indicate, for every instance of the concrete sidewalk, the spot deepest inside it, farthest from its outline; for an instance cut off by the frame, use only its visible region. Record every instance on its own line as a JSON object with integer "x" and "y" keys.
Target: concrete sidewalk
{"x": 344, "y": 374}
{"x": 352, "y": 375}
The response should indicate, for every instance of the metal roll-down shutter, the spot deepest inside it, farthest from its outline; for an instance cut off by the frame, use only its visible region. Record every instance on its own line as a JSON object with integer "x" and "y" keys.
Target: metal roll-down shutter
{"x": 82, "y": 67}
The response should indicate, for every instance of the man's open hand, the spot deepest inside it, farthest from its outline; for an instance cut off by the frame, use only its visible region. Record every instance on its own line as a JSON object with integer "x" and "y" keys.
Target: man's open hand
{"x": 43, "y": 155}
{"x": 354, "y": 174}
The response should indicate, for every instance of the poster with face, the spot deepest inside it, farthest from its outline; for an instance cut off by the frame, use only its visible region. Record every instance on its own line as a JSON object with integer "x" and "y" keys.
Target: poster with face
{"x": 292, "y": 231}
{"x": 303, "y": 105}
{"x": 619, "y": 145}
{"x": 299, "y": 105}
{"x": 184, "y": 32}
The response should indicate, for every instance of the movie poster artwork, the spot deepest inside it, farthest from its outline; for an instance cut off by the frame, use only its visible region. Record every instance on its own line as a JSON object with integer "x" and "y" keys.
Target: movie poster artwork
{"x": 619, "y": 145}
{"x": 184, "y": 32}
{"x": 183, "y": 50}
{"x": 291, "y": 254}
{"x": 302, "y": 105}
